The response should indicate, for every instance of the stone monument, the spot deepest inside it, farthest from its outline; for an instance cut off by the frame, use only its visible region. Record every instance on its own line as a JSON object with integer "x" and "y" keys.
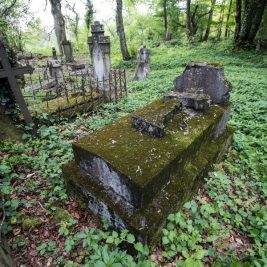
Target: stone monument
{"x": 100, "y": 51}
{"x": 54, "y": 66}
{"x": 143, "y": 61}
{"x": 140, "y": 168}
{"x": 67, "y": 50}
{"x": 54, "y": 53}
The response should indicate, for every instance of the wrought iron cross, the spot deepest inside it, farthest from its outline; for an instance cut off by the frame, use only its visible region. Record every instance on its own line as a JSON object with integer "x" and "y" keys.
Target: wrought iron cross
{"x": 8, "y": 72}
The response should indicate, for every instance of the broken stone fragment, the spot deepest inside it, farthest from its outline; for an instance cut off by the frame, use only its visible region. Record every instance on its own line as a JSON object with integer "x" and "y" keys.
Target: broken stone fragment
{"x": 191, "y": 100}
{"x": 153, "y": 118}
{"x": 205, "y": 76}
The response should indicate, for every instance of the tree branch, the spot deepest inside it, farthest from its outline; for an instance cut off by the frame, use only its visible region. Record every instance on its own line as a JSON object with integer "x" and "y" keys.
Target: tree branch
{"x": 4, "y": 13}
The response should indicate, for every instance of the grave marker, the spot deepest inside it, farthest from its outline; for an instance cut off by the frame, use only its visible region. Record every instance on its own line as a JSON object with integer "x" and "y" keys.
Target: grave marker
{"x": 137, "y": 170}
{"x": 143, "y": 61}
{"x": 100, "y": 51}
{"x": 10, "y": 73}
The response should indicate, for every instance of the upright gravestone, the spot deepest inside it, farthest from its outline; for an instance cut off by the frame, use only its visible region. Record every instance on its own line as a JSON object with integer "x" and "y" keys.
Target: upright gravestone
{"x": 54, "y": 66}
{"x": 67, "y": 50}
{"x": 138, "y": 169}
{"x": 100, "y": 51}
{"x": 54, "y": 53}
{"x": 143, "y": 61}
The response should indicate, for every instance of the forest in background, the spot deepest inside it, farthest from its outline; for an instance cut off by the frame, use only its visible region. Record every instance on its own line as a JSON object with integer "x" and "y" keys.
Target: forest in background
{"x": 172, "y": 22}
{"x": 225, "y": 223}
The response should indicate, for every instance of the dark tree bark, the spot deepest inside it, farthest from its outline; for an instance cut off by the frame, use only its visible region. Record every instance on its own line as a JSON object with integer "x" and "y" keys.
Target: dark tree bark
{"x": 259, "y": 10}
{"x": 207, "y": 32}
{"x": 59, "y": 23}
{"x": 165, "y": 15}
{"x": 188, "y": 19}
{"x": 238, "y": 10}
{"x": 194, "y": 22}
{"x": 89, "y": 14}
{"x": 226, "y": 33}
{"x": 120, "y": 31}
{"x": 248, "y": 26}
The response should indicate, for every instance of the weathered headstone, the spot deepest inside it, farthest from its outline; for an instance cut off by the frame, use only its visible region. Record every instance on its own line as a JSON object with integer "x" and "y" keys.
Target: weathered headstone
{"x": 67, "y": 50}
{"x": 54, "y": 53}
{"x": 205, "y": 77}
{"x": 138, "y": 169}
{"x": 100, "y": 51}
{"x": 143, "y": 61}
{"x": 55, "y": 68}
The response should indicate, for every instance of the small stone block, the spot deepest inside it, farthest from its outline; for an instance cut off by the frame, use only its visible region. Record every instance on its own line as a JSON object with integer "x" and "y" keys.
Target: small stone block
{"x": 153, "y": 117}
{"x": 199, "y": 102}
{"x": 144, "y": 126}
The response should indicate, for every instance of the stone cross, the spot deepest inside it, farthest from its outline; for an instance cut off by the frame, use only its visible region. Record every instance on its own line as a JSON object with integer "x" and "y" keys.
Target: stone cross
{"x": 100, "y": 51}
{"x": 8, "y": 72}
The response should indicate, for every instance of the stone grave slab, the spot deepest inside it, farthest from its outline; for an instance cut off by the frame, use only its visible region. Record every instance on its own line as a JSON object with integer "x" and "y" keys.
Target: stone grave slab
{"x": 135, "y": 165}
{"x": 134, "y": 176}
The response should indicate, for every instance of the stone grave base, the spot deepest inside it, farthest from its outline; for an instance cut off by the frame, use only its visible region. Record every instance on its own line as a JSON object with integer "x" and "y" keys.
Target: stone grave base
{"x": 145, "y": 179}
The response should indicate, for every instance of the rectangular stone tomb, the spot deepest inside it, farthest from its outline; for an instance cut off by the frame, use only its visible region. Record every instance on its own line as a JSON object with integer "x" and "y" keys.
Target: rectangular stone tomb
{"x": 135, "y": 180}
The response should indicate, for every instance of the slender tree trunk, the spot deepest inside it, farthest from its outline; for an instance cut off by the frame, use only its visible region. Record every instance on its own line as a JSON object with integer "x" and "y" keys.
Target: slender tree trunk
{"x": 120, "y": 31}
{"x": 246, "y": 21}
{"x": 227, "y": 19}
{"x": 259, "y": 10}
{"x": 207, "y": 33}
{"x": 188, "y": 19}
{"x": 59, "y": 23}
{"x": 221, "y": 21}
{"x": 238, "y": 10}
{"x": 165, "y": 15}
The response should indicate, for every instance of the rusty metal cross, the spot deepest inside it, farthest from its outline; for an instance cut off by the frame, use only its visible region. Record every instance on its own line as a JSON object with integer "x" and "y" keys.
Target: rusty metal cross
{"x": 8, "y": 72}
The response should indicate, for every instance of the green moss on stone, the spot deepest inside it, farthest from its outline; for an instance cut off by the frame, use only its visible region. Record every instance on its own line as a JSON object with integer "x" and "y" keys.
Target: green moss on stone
{"x": 8, "y": 129}
{"x": 62, "y": 103}
{"x": 144, "y": 160}
{"x": 31, "y": 222}
{"x": 61, "y": 215}
{"x": 158, "y": 112}
{"x": 183, "y": 184}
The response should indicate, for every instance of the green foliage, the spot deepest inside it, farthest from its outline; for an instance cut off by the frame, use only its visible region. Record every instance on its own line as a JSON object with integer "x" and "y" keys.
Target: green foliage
{"x": 225, "y": 225}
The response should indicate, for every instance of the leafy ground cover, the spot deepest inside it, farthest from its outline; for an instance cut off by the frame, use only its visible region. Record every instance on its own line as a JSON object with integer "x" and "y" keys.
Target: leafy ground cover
{"x": 224, "y": 225}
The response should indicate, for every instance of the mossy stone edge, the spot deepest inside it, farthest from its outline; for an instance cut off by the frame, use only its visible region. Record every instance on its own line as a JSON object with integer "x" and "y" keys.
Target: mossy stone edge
{"x": 147, "y": 223}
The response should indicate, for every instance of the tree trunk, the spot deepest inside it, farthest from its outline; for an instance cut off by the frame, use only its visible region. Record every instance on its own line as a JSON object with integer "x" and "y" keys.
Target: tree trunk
{"x": 165, "y": 15}
{"x": 221, "y": 21}
{"x": 188, "y": 19}
{"x": 227, "y": 19}
{"x": 207, "y": 33}
{"x": 259, "y": 10}
{"x": 120, "y": 31}
{"x": 59, "y": 23}
{"x": 238, "y": 10}
{"x": 246, "y": 21}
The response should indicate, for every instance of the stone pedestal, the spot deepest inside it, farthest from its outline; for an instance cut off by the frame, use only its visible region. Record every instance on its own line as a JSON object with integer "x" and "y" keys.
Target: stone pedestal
{"x": 67, "y": 50}
{"x": 100, "y": 51}
{"x": 137, "y": 170}
{"x": 143, "y": 61}
{"x": 55, "y": 69}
